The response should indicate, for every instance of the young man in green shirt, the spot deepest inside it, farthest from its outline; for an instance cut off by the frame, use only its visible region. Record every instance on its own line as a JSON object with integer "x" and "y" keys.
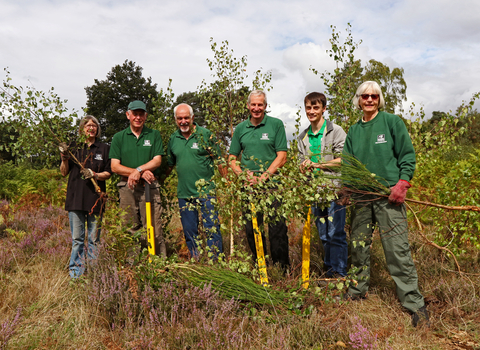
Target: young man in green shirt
{"x": 136, "y": 154}
{"x": 262, "y": 141}
{"x": 193, "y": 150}
{"x": 320, "y": 147}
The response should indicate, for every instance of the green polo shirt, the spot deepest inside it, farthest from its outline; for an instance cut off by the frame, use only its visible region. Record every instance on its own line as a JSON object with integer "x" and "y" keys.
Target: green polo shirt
{"x": 132, "y": 151}
{"x": 315, "y": 141}
{"x": 260, "y": 143}
{"x": 194, "y": 159}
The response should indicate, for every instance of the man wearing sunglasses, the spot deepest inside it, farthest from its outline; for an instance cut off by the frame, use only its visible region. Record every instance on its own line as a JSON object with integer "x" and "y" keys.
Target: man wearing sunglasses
{"x": 381, "y": 142}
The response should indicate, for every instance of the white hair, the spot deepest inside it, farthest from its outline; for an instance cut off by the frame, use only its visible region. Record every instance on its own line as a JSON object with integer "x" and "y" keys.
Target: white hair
{"x": 190, "y": 109}
{"x": 258, "y": 93}
{"x": 364, "y": 87}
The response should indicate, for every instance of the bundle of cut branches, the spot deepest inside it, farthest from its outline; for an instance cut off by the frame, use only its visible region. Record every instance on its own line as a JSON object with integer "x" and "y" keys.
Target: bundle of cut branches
{"x": 230, "y": 284}
{"x": 356, "y": 178}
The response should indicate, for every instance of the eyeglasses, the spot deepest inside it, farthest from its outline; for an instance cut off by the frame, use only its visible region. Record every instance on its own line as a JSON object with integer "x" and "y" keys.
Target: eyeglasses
{"x": 90, "y": 126}
{"x": 139, "y": 115}
{"x": 373, "y": 96}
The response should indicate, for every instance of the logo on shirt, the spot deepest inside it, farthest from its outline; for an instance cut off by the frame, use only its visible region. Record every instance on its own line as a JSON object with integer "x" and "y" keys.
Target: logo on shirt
{"x": 147, "y": 143}
{"x": 381, "y": 139}
{"x": 195, "y": 145}
{"x": 264, "y": 136}
{"x": 98, "y": 156}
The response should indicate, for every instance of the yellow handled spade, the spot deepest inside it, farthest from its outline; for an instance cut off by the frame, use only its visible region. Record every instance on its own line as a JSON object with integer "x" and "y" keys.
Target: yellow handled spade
{"x": 150, "y": 229}
{"x": 262, "y": 266}
{"x": 306, "y": 250}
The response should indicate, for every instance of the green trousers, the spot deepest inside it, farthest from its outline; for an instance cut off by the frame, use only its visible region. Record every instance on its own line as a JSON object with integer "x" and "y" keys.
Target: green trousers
{"x": 391, "y": 220}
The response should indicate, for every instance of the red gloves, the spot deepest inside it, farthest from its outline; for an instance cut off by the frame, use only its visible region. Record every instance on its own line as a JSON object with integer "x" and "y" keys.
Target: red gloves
{"x": 399, "y": 192}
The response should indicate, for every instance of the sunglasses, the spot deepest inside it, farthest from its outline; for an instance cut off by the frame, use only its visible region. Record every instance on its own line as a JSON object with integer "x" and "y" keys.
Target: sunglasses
{"x": 373, "y": 96}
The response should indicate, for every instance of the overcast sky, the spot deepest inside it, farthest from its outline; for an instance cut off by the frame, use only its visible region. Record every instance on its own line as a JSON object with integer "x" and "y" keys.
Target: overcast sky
{"x": 68, "y": 44}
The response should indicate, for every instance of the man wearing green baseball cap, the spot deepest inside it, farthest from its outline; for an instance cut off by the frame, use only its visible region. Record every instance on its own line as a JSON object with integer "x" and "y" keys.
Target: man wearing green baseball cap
{"x": 136, "y": 154}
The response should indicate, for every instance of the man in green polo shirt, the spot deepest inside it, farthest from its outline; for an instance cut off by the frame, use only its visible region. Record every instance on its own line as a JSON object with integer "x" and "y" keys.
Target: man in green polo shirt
{"x": 262, "y": 141}
{"x": 136, "y": 154}
{"x": 320, "y": 147}
{"x": 193, "y": 149}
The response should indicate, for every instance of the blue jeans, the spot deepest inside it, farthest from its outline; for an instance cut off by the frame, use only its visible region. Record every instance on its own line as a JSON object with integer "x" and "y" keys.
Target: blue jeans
{"x": 211, "y": 224}
{"x": 333, "y": 236}
{"x": 77, "y": 226}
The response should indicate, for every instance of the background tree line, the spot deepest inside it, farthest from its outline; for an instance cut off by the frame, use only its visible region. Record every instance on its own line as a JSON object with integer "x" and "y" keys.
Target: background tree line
{"x": 219, "y": 105}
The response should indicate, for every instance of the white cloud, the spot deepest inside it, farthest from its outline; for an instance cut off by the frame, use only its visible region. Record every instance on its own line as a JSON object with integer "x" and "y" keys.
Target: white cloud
{"x": 68, "y": 44}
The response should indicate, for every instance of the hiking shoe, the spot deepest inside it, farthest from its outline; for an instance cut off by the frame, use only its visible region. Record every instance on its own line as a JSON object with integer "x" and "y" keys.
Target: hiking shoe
{"x": 335, "y": 275}
{"x": 421, "y": 313}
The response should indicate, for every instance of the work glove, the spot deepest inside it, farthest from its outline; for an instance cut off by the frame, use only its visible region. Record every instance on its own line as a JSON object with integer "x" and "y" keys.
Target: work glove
{"x": 63, "y": 148}
{"x": 399, "y": 192}
{"x": 344, "y": 197}
{"x": 88, "y": 173}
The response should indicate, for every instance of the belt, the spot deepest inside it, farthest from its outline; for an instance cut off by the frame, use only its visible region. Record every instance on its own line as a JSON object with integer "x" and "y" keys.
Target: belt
{"x": 140, "y": 182}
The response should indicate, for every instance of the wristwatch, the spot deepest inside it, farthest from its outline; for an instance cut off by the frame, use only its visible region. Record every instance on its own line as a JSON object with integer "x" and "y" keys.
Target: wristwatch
{"x": 139, "y": 170}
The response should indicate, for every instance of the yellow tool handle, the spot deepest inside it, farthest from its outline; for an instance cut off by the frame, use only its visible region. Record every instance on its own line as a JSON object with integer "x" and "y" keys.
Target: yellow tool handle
{"x": 262, "y": 266}
{"x": 306, "y": 251}
{"x": 150, "y": 229}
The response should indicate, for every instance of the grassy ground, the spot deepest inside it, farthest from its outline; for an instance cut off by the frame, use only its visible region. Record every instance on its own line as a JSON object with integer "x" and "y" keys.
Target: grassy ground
{"x": 41, "y": 308}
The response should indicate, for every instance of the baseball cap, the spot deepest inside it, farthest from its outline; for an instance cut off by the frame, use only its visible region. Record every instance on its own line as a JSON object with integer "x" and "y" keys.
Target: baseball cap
{"x": 137, "y": 105}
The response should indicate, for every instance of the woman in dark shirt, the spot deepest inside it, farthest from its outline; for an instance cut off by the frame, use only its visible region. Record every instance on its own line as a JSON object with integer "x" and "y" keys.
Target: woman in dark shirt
{"x": 82, "y": 202}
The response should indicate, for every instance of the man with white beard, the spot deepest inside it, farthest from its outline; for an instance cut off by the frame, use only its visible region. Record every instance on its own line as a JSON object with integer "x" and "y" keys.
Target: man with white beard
{"x": 193, "y": 150}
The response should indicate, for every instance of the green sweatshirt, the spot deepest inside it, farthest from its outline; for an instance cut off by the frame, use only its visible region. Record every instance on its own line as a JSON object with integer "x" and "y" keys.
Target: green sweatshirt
{"x": 384, "y": 146}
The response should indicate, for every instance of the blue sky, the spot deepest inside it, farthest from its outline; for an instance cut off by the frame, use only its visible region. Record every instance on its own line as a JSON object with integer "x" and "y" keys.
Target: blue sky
{"x": 68, "y": 44}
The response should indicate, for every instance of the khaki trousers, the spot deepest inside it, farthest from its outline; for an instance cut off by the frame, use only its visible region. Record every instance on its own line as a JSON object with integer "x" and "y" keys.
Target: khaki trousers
{"x": 133, "y": 202}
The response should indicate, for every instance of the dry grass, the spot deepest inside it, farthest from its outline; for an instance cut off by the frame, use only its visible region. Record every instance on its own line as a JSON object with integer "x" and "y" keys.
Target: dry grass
{"x": 59, "y": 314}
{"x": 53, "y": 312}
